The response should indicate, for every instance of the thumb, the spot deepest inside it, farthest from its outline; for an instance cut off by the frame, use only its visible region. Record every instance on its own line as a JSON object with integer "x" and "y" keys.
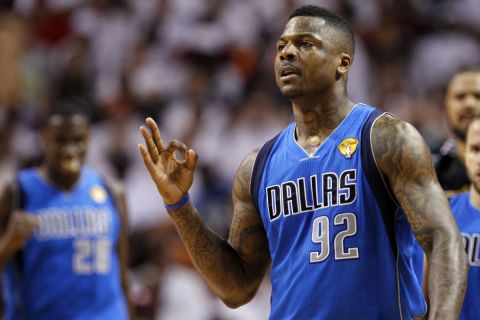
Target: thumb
{"x": 191, "y": 160}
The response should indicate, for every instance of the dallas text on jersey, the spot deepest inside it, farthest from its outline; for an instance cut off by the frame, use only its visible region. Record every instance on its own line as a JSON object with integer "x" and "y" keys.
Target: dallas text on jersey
{"x": 471, "y": 242}
{"x": 291, "y": 197}
{"x": 73, "y": 222}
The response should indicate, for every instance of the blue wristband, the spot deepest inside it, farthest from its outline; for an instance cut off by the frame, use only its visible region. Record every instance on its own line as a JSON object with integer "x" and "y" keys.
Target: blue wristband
{"x": 179, "y": 204}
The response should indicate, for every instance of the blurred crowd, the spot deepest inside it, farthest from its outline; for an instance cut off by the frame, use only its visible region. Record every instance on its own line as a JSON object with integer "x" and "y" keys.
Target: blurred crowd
{"x": 204, "y": 70}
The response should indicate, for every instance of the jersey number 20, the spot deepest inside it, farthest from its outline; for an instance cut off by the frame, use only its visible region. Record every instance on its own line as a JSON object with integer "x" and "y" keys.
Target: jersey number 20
{"x": 321, "y": 236}
{"x": 91, "y": 256}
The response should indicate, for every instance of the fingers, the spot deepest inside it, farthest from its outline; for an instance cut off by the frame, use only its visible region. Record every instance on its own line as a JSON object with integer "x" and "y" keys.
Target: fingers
{"x": 179, "y": 146}
{"x": 191, "y": 159}
{"x": 27, "y": 220}
{"x": 24, "y": 224}
{"x": 154, "y": 154}
{"x": 153, "y": 139}
{"x": 155, "y": 147}
{"x": 147, "y": 160}
{"x": 157, "y": 139}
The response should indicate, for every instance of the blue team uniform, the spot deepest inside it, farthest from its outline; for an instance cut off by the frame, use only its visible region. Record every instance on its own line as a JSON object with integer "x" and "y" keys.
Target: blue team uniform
{"x": 69, "y": 269}
{"x": 468, "y": 221}
{"x": 341, "y": 248}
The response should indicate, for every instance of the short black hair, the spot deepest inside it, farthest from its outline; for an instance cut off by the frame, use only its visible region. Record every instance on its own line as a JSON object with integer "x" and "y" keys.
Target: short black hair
{"x": 67, "y": 108}
{"x": 334, "y": 20}
{"x": 468, "y": 68}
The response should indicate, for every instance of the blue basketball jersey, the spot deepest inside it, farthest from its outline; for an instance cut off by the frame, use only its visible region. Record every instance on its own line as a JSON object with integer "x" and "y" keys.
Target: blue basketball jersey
{"x": 69, "y": 268}
{"x": 341, "y": 248}
{"x": 468, "y": 221}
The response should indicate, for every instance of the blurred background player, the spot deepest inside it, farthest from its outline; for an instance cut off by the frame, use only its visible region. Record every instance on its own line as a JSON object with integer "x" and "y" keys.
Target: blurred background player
{"x": 462, "y": 101}
{"x": 63, "y": 244}
{"x": 466, "y": 210}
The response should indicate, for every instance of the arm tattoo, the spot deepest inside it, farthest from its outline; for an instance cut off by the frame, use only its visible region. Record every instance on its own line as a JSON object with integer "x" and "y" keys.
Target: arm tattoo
{"x": 210, "y": 254}
{"x": 404, "y": 158}
{"x": 233, "y": 269}
{"x": 407, "y": 164}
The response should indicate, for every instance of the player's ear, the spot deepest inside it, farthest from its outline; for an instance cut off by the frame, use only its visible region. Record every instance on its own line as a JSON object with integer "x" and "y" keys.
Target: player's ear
{"x": 344, "y": 63}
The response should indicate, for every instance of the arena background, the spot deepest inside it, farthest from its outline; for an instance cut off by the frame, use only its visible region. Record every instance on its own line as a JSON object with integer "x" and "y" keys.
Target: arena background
{"x": 204, "y": 70}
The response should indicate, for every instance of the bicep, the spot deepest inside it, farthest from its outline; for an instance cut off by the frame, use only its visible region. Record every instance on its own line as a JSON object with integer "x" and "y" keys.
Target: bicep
{"x": 247, "y": 233}
{"x": 405, "y": 159}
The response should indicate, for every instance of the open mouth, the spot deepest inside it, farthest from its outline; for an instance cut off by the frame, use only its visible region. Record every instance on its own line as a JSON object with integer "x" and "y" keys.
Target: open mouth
{"x": 288, "y": 74}
{"x": 70, "y": 164}
{"x": 287, "y": 70}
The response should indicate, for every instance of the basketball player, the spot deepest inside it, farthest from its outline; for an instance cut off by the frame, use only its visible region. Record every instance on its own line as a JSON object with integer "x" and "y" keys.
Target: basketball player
{"x": 63, "y": 241}
{"x": 321, "y": 202}
{"x": 462, "y": 101}
{"x": 466, "y": 210}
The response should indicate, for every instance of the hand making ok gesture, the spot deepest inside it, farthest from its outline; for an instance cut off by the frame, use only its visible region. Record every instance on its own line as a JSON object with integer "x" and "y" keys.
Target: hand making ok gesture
{"x": 172, "y": 176}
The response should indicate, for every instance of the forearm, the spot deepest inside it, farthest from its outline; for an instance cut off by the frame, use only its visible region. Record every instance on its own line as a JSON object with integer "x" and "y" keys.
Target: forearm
{"x": 7, "y": 250}
{"x": 447, "y": 277}
{"x": 213, "y": 257}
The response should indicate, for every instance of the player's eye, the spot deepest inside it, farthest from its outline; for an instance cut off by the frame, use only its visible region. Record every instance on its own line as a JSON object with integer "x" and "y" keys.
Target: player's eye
{"x": 280, "y": 46}
{"x": 305, "y": 44}
{"x": 475, "y": 149}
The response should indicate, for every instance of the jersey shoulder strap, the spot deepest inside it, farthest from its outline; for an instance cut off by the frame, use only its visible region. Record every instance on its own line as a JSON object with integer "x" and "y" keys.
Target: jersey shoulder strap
{"x": 379, "y": 183}
{"x": 258, "y": 167}
{"x": 18, "y": 194}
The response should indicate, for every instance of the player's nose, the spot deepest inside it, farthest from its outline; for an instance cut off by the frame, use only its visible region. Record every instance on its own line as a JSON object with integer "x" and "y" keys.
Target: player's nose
{"x": 70, "y": 149}
{"x": 288, "y": 52}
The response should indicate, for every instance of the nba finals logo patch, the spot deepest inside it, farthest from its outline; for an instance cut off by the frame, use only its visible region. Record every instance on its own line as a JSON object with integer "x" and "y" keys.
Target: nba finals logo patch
{"x": 98, "y": 194}
{"x": 347, "y": 147}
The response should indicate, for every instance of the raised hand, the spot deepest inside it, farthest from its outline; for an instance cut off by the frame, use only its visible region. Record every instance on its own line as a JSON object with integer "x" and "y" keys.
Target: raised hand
{"x": 19, "y": 229}
{"x": 172, "y": 176}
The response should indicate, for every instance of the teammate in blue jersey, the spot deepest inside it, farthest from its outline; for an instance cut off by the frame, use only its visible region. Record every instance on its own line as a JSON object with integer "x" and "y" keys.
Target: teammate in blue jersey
{"x": 462, "y": 101}
{"x": 63, "y": 244}
{"x": 332, "y": 203}
{"x": 466, "y": 210}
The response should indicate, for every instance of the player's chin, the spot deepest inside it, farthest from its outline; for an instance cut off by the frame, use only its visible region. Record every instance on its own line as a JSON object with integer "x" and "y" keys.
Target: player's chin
{"x": 291, "y": 91}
